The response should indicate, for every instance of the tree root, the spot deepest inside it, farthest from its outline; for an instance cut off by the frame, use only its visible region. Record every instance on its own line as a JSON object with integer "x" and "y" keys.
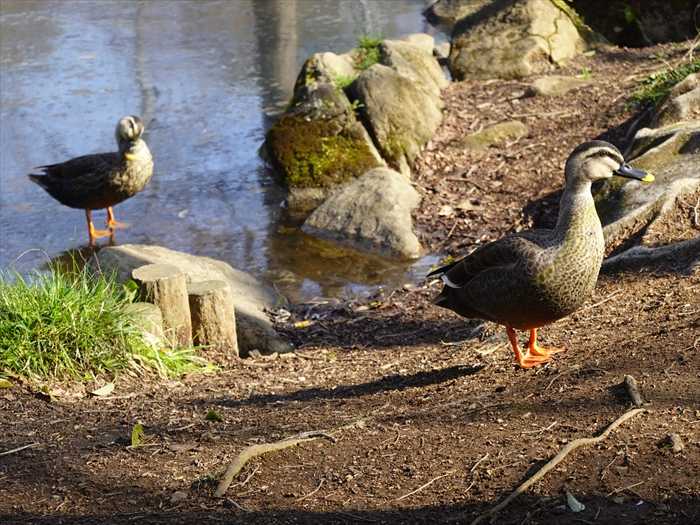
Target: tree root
{"x": 684, "y": 253}
{"x": 554, "y": 462}
{"x": 254, "y": 451}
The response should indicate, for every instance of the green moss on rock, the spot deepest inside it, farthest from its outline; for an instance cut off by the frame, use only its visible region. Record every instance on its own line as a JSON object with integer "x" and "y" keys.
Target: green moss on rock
{"x": 316, "y": 153}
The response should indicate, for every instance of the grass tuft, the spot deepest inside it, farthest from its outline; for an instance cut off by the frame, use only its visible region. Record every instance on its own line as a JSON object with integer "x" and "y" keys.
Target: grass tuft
{"x": 367, "y": 52}
{"x": 73, "y": 325}
{"x": 656, "y": 86}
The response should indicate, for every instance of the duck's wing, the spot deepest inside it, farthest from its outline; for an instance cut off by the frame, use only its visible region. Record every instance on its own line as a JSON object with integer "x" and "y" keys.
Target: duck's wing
{"x": 510, "y": 250}
{"x": 85, "y": 166}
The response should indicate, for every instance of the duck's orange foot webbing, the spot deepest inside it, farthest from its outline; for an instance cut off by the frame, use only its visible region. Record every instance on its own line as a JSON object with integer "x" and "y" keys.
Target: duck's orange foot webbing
{"x": 112, "y": 223}
{"x": 528, "y": 360}
{"x": 535, "y": 349}
{"x": 92, "y": 232}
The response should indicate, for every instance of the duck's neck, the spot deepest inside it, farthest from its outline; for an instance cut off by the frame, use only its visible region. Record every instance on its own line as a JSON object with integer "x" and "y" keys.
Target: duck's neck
{"x": 134, "y": 150}
{"x": 577, "y": 213}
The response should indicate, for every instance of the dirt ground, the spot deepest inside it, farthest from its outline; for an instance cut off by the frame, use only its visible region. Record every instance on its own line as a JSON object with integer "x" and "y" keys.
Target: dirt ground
{"x": 431, "y": 419}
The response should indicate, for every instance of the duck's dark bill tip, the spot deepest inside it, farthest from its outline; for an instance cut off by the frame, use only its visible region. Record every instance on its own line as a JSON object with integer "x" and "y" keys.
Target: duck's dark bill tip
{"x": 625, "y": 170}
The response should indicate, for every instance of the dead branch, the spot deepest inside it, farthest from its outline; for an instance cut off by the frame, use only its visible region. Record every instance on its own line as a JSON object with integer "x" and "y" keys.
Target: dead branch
{"x": 254, "y": 451}
{"x": 632, "y": 389}
{"x": 425, "y": 485}
{"x": 573, "y": 445}
{"x": 12, "y": 451}
{"x": 312, "y": 492}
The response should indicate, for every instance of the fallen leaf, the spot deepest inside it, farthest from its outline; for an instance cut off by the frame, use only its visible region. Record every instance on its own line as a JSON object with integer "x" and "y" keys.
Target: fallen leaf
{"x": 137, "y": 435}
{"x": 104, "y": 390}
{"x": 574, "y": 504}
{"x": 5, "y": 383}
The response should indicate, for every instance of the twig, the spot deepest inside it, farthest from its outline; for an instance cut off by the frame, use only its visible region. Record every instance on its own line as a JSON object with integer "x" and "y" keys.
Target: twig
{"x": 632, "y": 388}
{"x": 8, "y": 452}
{"x": 237, "y": 505}
{"x": 249, "y": 476}
{"x": 253, "y": 451}
{"x": 569, "y": 447}
{"x": 617, "y": 292}
{"x": 477, "y": 463}
{"x": 622, "y": 489}
{"x": 425, "y": 485}
{"x": 312, "y": 492}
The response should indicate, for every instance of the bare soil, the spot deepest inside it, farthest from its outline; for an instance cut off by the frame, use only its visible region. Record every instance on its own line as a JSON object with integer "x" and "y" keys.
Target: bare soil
{"x": 445, "y": 424}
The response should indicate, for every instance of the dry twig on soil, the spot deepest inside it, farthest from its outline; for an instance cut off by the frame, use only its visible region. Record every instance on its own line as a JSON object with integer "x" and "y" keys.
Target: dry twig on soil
{"x": 573, "y": 445}
{"x": 12, "y": 451}
{"x": 254, "y": 451}
{"x": 425, "y": 485}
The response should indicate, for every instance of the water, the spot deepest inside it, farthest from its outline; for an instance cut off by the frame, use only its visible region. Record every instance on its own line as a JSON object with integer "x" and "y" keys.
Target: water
{"x": 208, "y": 77}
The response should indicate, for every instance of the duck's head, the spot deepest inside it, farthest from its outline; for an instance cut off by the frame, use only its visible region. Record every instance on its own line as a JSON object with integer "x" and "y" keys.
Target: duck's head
{"x": 129, "y": 129}
{"x": 597, "y": 160}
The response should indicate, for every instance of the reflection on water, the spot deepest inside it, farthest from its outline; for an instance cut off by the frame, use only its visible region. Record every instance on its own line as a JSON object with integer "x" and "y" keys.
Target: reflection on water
{"x": 207, "y": 76}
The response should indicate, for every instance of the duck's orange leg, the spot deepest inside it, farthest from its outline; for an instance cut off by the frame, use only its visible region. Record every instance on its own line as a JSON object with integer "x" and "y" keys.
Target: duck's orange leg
{"x": 92, "y": 232}
{"x": 535, "y": 349}
{"x": 527, "y": 360}
{"x": 112, "y": 223}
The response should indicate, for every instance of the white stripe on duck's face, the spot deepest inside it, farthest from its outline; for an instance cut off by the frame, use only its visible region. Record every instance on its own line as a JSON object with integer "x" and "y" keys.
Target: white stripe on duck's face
{"x": 593, "y": 161}
{"x": 129, "y": 128}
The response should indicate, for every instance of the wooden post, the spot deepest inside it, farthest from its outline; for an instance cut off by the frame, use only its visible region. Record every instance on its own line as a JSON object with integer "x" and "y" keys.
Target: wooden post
{"x": 213, "y": 316}
{"x": 166, "y": 286}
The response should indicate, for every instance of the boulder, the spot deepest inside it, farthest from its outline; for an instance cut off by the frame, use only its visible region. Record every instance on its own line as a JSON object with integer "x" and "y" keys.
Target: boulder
{"x": 448, "y": 12}
{"x": 494, "y": 135}
{"x": 251, "y": 298}
{"x": 400, "y": 113}
{"x": 372, "y": 213}
{"x": 415, "y": 62}
{"x": 513, "y": 39}
{"x": 318, "y": 143}
{"x": 555, "y": 85}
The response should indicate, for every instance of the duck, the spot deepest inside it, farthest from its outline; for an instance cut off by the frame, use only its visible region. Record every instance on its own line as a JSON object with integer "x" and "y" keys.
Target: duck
{"x": 101, "y": 180}
{"x": 532, "y": 278}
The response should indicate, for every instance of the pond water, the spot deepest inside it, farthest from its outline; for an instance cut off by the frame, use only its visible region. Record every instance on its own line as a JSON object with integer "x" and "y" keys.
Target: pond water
{"x": 208, "y": 77}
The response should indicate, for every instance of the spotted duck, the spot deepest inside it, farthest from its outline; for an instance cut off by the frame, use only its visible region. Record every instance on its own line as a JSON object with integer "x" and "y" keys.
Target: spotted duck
{"x": 101, "y": 180}
{"x": 532, "y": 278}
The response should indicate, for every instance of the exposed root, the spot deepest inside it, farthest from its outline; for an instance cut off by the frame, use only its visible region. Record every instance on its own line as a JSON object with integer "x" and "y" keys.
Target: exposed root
{"x": 573, "y": 445}
{"x": 684, "y": 254}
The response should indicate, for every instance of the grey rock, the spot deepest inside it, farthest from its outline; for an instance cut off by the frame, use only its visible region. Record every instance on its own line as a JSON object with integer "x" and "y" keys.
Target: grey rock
{"x": 555, "y": 85}
{"x": 414, "y": 62}
{"x": 448, "y": 12}
{"x": 373, "y": 213}
{"x": 400, "y": 114}
{"x": 494, "y": 135}
{"x": 251, "y": 297}
{"x": 513, "y": 39}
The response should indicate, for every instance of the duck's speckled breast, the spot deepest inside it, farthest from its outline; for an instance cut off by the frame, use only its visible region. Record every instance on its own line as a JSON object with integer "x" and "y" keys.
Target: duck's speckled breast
{"x": 569, "y": 280}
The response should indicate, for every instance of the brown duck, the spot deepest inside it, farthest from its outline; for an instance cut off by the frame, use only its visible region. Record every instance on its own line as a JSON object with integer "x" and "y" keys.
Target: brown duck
{"x": 101, "y": 180}
{"x": 529, "y": 279}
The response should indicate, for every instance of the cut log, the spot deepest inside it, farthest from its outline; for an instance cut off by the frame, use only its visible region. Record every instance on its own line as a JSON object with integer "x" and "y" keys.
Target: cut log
{"x": 166, "y": 286}
{"x": 213, "y": 316}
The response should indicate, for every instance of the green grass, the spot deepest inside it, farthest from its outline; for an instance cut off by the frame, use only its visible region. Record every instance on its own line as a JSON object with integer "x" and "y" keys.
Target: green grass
{"x": 367, "y": 52}
{"x": 657, "y": 85}
{"x": 343, "y": 81}
{"x": 72, "y": 325}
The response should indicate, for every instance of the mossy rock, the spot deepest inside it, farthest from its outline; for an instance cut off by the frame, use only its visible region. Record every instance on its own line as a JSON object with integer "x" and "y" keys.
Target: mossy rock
{"x": 494, "y": 135}
{"x": 319, "y": 143}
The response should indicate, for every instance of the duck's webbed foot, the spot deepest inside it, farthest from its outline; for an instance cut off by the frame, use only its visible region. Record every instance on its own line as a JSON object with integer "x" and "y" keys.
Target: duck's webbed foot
{"x": 93, "y": 233}
{"x": 536, "y": 350}
{"x": 527, "y": 360}
{"x": 112, "y": 223}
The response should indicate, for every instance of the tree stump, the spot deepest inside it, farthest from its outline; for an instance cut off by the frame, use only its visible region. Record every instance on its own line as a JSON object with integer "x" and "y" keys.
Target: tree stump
{"x": 213, "y": 316}
{"x": 166, "y": 286}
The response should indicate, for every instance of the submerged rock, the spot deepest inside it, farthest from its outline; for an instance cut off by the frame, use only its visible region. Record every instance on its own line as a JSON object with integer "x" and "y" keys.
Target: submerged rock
{"x": 372, "y": 213}
{"x": 251, "y": 298}
{"x": 513, "y": 39}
